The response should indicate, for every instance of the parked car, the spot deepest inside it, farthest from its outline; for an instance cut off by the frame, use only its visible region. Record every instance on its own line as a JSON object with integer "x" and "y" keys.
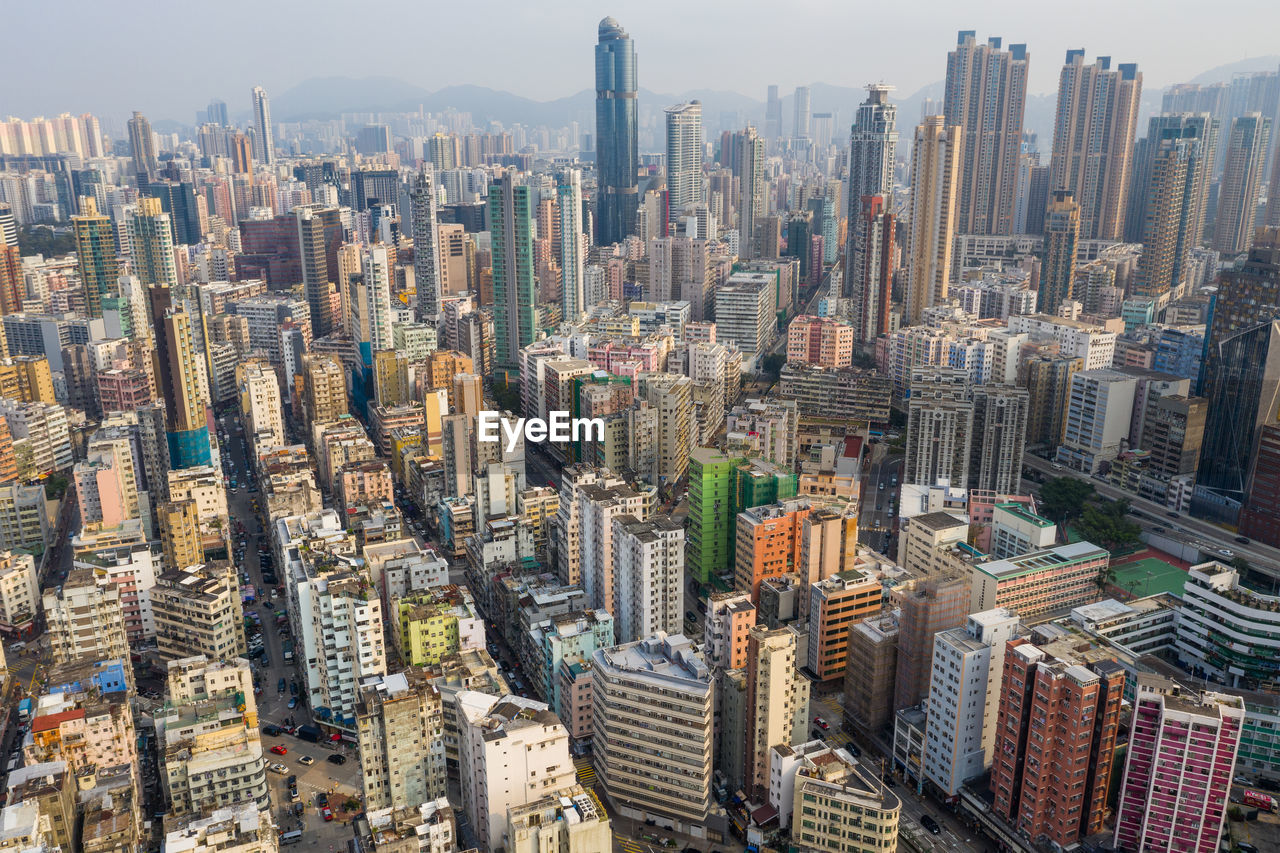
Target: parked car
{"x": 821, "y": 723}
{"x": 279, "y": 768}
{"x": 271, "y": 730}
{"x": 337, "y": 758}
{"x": 306, "y": 760}
{"x": 280, "y": 750}
{"x": 293, "y": 703}
{"x": 930, "y": 824}
{"x": 327, "y": 813}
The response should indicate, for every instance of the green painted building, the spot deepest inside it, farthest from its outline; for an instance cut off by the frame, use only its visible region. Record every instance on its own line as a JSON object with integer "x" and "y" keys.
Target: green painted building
{"x": 720, "y": 487}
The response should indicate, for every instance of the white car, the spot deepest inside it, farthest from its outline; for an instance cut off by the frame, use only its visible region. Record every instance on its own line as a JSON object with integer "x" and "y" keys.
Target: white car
{"x": 279, "y": 768}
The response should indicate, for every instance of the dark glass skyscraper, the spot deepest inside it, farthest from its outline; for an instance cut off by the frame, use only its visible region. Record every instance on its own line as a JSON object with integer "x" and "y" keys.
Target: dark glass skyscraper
{"x": 616, "y": 121}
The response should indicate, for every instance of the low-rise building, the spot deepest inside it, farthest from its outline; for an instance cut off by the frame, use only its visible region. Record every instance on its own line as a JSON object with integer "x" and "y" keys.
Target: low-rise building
{"x": 831, "y": 801}
{"x": 1056, "y": 578}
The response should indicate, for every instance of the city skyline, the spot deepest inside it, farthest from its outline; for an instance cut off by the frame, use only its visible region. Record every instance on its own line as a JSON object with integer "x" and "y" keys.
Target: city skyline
{"x": 555, "y": 65}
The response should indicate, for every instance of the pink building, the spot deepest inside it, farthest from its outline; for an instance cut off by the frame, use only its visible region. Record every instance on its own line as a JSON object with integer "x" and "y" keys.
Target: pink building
{"x": 123, "y": 390}
{"x": 364, "y": 482}
{"x": 982, "y": 507}
{"x": 820, "y": 340}
{"x": 1177, "y": 777}
{"x": 575, "y": 690}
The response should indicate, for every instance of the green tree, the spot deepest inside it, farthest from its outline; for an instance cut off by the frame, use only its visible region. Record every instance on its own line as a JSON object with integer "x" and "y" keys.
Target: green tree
{"x": 507, "y": 397}
{"x": 771, "y": 366}
{"x": 43, "y": 240}
{"x": 55, "y": 486}
{"x": 1062, "y": 499}
{"x": 1107, "y": 525}
{"x": 1240, "y": 564}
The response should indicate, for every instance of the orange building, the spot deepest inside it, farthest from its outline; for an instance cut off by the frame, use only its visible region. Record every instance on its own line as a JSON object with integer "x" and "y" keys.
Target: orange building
{"x": 835, "y": 605}
{"x": 768, "y": 543}
{"x": 730, "y": 616}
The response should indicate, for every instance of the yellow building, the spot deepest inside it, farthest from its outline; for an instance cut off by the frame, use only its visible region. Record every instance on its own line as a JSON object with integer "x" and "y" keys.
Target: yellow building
{"x": 390, "y": 377}
{"x": 27, "y": 378}
{"x": 432, "y": 624}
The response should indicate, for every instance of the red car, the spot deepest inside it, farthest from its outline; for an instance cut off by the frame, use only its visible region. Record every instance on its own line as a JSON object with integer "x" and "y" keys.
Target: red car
{"x": 279, "y": 750}
{"x": 821, "y": 723}
{"x": 327, "y": 812}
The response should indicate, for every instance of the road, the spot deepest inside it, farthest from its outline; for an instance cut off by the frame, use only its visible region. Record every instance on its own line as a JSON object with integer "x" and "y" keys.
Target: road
{"x": 1263, "y": 558}
{"x": 273, "y": 705}
{"x": 954, "y": 837}
{"x": 880, "y": 489}
{"x": 807, "y": 308}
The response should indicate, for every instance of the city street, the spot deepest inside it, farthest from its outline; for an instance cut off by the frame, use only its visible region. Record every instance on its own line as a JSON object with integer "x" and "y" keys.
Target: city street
{"x": 954, "y": 838}
{"x": 880, "y": 484}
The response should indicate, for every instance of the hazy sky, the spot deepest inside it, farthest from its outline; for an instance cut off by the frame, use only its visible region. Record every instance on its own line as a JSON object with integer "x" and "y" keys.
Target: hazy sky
{"x": 169, "y": 58}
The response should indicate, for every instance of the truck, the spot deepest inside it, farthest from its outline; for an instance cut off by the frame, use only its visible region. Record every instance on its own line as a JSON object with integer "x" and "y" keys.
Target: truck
{"x": 288, "y": 652}
{"x": 1259, "y": 800}
{"x": 309, "y": 733}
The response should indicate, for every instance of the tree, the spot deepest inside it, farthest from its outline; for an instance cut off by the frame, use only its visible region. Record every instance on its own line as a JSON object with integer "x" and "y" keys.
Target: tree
{"x": 1240, "y": 564}
{"x": 771, "y": 365}
{"x": 508, "y": 398}
{"x": 1062, "y": 499}
{"x": 55, "y": 486}
{"x": 43, "y": 240}
{"x": 1107, "y": 525}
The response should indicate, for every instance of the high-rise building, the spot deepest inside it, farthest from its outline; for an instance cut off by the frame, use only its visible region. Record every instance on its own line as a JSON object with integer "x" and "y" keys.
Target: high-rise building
{"x": 85, "y": 621}
{"x": 869, "y": 271}
{"x": 986, "y": 91}
{"x": 151, "y": 255}
{"x": 197, "y": 611}
{"x": 656, "y": 697}
{"x": 648, "y": 575}
{"x": 1178, "y": 770}
{"x": 1000, "y": 415}
{"x": 1093, "y": 133}
{"x": 264, "y": 140}
{"x": 684, "y": 158}
{"x": 142, "y": 142}
{"x": 573, "y": 244}
{"x": 617, "y": 123}
{"x": 751, "y": 193}
{"x": 515, "y": 310}
{"x": 399, "y": 726}
{"x": 937, "y": 602}
{"x": 1175, "y": 166}
{"x": 935, "y": 168}
{"x": 800, "y": 128}
{"x": 939, "y": 427}
{"x": 772, "y": 114}
{"x": 873, "y": 141}
{"x": 95, "y": 256}
{"x": 178, "y": 374}
{"x": 968, "y": 664}
{"x": 512, "y": 751}
{"x": 180, "y": 534}
{"x": 426, "y": 245}
{"x": 1099, "y": 416}
{"x": 777, "y": 701}
{"x": 1238, "y": 192}
{"x": 1189, "y": 135}
{"x": 1056, "y": 733}
{"x": 313, "y": 226}
{"x": 1061, "y": 235}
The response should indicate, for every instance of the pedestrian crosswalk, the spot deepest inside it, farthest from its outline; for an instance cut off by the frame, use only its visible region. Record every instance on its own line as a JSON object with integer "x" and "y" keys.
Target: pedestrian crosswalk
{"x": 586, "y": 773}
{"x": 626, "y": 844}
{"x": 836, "y": 738}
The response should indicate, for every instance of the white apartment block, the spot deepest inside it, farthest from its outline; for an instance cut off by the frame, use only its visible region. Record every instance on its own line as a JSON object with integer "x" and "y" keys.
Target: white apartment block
{"x": 1076, "y": 339}
{"x": 648, "y": 564}
{"x": 512, "y": 751}
{"x": 1099, "y": 416}
{"x": 19, "y": 593}
{"x": 964, "y": 694}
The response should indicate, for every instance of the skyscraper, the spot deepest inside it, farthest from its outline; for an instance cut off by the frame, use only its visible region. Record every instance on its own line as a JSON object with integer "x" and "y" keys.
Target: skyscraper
{"x": 1241, "y": 182}
{"x": 426, "y": 245}
{"x": 377, "y": 272}
{"x": 986, "y": 92}
{"x": 142, "y": 143}
{"x": 1093, "y": 133}
{"x": 935, "y": 167}
{"x": 873, "y": 142}
{"x": 95, "y": 255}
{"x": 313, "y": 255}
{"x": 573, "y": 245}
{"x": 684, "y": 158}
{"x": 1176, "y": 167}
{"x": 1200, "y": 127}
{"x": 217, "y": 113}
{"x": 1178, "y": 771}
{"x": 178, "y": 375}
{"x": 773, "y": 114}
{"x": 515, "y": 309}
{"x": 939, "y": 427}
{"x": 616, "y": 128}
{"x": 1000, "y": 437}
{"x": 151, "y": 245}
{"x": 1240, "y": 377}
{"x": 869, "y": 272}
{"x": 800, "y": 127}
{"x": 751, "y": 184}
{"x": 1061, "y": 234}
{"x": 264, "y": 145}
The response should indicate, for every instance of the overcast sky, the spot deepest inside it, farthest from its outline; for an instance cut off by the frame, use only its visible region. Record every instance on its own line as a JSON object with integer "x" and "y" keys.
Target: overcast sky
{"x": 169, "y": 58}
